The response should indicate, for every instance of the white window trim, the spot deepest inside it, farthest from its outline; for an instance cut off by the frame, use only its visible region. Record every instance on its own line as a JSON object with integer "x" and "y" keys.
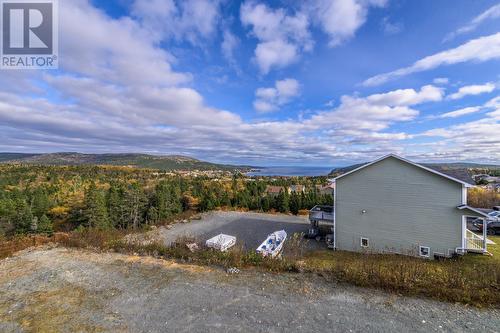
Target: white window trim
{"x": 428, "y": 251}
{"x": 367, "y": 242}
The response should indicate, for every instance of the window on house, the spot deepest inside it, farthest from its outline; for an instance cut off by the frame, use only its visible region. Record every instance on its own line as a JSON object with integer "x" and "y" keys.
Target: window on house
{"x": 425, "y": 251}
{"x": 365, "y": 242}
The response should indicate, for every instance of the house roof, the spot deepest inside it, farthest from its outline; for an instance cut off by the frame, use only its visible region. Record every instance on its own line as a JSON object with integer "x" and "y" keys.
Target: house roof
{"x": 472, "y": 209}
{"x": 409, "y": 162}
{"x": 297, "y": 187}
{"x": 274, "y": 189}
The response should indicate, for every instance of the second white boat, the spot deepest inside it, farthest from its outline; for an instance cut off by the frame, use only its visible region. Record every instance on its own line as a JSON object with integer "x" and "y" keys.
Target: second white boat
{"x": 273, "y": 245}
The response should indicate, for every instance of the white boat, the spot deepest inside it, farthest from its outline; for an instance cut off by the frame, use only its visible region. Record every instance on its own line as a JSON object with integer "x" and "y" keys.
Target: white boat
{"x": 273, "y": 244}
{"x": 221, "y": 242}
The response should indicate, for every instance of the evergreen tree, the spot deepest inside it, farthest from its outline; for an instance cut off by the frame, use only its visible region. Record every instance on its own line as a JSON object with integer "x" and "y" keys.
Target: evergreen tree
{"x": 40, "y": 202}
{"x": 45, "y": 225}
{"x": 152, "y": 215}
{"x": 294, "y": 203}
{"x": 225, "y": 199}
{"x": 207, "y": 201}
{"x": 303, "y": 201}
{"x": 7, "y": 213}
{"x": 283, "y": 202}
{"x": 116, "y": 209}
{"x": 167, "y": 200}
{"x": 265, "y": 204}
{"x": 242, "y": 199}
{"x": 23, "y": 218}
{"x": 96, "y": 212}
{"x": 134, "y": 203}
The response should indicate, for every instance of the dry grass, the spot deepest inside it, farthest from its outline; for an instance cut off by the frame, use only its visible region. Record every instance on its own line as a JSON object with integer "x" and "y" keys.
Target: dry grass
{"x": 470, "y": 279}
{"x": 10, "y": 246}
{"x": 114, "y": 241}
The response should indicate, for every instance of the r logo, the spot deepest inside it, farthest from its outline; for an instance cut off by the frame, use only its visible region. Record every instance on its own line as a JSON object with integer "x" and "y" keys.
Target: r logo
{"x": 27, "y": 27}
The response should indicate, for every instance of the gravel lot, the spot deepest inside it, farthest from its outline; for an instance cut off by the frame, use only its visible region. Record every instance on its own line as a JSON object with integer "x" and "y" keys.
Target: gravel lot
{"x": 250, "y": 229}
{"x": 60, "y": 290}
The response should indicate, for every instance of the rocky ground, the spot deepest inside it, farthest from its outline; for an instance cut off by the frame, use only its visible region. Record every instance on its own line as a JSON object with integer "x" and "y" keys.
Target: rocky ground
{"x": 61, "y": 290}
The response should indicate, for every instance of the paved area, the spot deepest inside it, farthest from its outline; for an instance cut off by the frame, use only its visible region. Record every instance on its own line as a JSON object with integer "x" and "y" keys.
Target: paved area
{"x": 60, "y": 290}
{"x": 250, "y": 229}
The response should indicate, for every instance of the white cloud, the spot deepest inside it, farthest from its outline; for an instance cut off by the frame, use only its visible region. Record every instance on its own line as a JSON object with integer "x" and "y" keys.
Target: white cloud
{"x": 134, "y": 100}
{"x": 493, "y": 103}
{"x": 276, "y": 53}
{"x": 441, "y": 80}
{"x": 105, "y": 104}
{"x": 229, "y": 44}
{"x": 475, "y": 140}
{"x": 390, "y": 28}
{"x": 112, "y": 50}
{"x": 461, "y": 112}
{"x": 476, "y": 89}
{"x": 404, "y": 97}
{"x": 478, "y": 50}
{"x": 340, "y": 19}
{"x": 281, "y": 37}
{"x": 192, "y": 20}
{"x": 489, "y": 14}
{"x": 127, "y": 96}
{"x": 361, "y": 120}
{"x": 271, "y": 99}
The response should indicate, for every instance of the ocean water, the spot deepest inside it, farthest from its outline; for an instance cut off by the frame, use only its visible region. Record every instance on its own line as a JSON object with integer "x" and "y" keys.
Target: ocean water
{"x": 292, "y": 171}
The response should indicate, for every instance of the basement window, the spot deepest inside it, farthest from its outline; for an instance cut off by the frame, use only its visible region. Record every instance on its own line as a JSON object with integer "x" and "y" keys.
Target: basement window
{"x": 424, "y": 251}
{"x": 365, "y": 242}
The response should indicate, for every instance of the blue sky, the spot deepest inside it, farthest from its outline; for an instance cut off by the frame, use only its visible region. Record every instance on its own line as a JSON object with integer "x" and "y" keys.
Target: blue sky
{"x": 323, "y": 82}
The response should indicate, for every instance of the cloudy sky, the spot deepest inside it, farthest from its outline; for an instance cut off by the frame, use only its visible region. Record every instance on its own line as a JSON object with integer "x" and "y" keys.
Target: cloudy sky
{"x": 320, "y": 82}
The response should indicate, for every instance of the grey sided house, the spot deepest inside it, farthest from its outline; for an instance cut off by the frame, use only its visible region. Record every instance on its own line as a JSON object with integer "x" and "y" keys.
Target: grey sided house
{"x": 397, "y": 206}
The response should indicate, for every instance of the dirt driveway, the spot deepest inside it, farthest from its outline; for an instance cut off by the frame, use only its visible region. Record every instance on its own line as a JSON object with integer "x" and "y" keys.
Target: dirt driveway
{"x": 60, "y": 290}
{"x": 250, "y": 229}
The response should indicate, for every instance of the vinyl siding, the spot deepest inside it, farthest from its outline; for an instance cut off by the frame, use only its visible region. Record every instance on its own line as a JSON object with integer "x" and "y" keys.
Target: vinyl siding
{"x": 406, "y": 207}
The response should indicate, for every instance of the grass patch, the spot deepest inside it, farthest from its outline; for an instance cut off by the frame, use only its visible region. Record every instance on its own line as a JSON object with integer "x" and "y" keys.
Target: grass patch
{"x": 471, "y": 279}
{"x": 10, "y": 246}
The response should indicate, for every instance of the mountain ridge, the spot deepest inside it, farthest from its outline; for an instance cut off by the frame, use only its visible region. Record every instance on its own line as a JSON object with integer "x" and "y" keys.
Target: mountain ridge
{"x": 140, "y": 160}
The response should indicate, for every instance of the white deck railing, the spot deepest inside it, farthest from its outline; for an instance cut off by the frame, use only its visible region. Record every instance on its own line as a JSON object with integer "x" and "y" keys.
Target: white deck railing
{"x": 473, "y": 241}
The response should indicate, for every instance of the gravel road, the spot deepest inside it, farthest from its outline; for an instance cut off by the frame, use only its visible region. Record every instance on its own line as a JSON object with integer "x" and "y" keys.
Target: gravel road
{"x": 61, "y": 290}
{"x": 250, "y": 229}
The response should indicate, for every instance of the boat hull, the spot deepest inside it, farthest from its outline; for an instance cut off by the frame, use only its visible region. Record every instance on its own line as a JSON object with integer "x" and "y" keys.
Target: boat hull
{"x": 273, "y": 245}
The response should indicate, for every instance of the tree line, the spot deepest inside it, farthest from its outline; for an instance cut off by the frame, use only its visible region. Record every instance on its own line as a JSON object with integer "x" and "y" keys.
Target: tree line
{"x": 44, "y": 199}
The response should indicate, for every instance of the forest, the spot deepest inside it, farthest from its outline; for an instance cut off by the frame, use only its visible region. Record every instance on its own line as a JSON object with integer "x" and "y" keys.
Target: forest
{"x": 44, "y": 199}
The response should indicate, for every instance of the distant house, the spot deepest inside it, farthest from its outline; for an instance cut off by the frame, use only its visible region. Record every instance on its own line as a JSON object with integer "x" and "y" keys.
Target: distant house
{"x": 274, "y": 190}
{"x": 325, "y": 189}
{"x": 296, "y": 189}
{"x": 395, "y": 205}
{"x": 480, "y": 176}
{"x": 486, "y": 178}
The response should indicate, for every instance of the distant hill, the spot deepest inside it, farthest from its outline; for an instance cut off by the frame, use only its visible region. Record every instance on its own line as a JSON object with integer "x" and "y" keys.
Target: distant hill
{"x": 171, "y": 162}
{"x": 463, "y": 165}
{"x": 5, "y": 157}
{"x": 462, "y": 171}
